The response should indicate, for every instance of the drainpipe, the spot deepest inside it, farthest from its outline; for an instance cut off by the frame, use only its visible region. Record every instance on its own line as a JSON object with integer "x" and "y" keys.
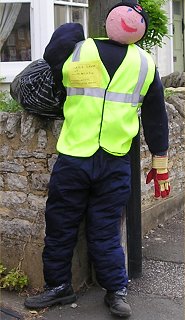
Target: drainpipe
{"x": 133, "y": 214}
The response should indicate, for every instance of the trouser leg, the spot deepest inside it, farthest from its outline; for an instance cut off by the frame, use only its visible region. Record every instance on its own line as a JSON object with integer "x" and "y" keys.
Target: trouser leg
{"x": 66, "y": 204}
{"x": 108, "y": 196}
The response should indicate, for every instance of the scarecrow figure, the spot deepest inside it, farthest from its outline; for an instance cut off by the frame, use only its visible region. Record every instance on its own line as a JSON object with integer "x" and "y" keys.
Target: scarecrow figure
{"x": 106, "y": 82}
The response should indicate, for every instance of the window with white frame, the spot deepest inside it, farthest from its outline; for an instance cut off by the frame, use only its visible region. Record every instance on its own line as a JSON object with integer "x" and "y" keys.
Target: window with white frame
{"x": 15, "y": 37}
{"x": 15, "y": 43}
{"x": 26, "y": 27}
{"x": 71, "y": 11}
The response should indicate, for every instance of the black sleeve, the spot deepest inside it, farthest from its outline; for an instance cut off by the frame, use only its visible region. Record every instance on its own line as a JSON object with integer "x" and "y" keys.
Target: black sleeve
{"x": 154, "y": 118}
{"x": 60, "y": 47}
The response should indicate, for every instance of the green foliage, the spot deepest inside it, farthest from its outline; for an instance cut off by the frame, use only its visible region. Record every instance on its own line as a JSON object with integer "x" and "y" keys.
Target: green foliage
{"x": 2, "y": 269}
{"x": 7, "y": 103}
{"x": 168, "y": 93}
{"x": 158, "y": 24}
{"x": 15, "y": 279}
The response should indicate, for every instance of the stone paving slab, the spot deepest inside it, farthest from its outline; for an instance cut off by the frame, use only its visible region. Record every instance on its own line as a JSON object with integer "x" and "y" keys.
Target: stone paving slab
{"x": 167, "y": 242}
{"x": 90, "y": 306}
{"x": 160, "y": 278}
{"x": 9, "y": 314}
{"x": 144, "y": 307}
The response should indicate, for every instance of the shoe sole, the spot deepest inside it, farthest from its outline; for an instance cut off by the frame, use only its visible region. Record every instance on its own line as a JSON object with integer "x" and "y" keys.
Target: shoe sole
{"x": 62, "y": 301}
{"x": 117, "y": 313}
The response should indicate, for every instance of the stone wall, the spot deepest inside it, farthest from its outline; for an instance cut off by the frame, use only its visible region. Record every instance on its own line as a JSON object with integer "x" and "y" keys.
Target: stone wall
{"x": 27, "y": 156}
{"x": 175, "y": 80}
{"x": 155, "y": 211}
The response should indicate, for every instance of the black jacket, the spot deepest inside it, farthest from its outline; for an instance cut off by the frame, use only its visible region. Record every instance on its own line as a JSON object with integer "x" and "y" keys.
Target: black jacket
{"x": 153, "y": 112}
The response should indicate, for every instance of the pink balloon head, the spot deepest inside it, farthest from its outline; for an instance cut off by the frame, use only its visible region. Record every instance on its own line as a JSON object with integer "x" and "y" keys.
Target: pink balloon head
{"x": 125, "y": 25}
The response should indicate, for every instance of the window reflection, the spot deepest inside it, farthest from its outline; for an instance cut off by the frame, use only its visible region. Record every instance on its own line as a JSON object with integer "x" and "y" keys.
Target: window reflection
{"x": 77, "y": 15}
{"x": 80, "y": 1}
{"x": 65, "y": 14}
{"x": 15, "y": 42}
{"x": 60, "y": 13}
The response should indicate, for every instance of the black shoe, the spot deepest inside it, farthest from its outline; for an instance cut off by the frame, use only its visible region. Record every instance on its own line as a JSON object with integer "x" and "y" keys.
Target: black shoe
{"x": 63, "y": 294}
{"x": 116, "y": 301}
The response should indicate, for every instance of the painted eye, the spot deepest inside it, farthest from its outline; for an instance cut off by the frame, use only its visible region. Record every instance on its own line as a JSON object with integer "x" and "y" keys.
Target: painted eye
{"x": 142, "y": 20}
{"x": 129, "y": 10}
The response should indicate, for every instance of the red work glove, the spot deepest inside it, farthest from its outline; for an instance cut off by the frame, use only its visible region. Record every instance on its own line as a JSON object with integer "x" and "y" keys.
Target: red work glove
{"x": 159, "y": 173}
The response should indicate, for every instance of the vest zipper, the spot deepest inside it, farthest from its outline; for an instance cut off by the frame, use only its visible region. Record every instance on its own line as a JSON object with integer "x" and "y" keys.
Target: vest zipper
{"x": 103, "y": 111}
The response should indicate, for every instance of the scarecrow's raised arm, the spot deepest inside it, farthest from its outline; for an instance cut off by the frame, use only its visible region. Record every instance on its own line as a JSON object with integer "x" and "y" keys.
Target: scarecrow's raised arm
{"x": 61, "y": 46}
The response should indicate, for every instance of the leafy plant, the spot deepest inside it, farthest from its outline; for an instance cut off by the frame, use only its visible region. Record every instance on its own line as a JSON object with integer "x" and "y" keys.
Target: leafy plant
{"x": 158, "y": 24}
{"x": 14, "y": 280}
{"x": 168, "y": 93}
{"x": 2, "y": 269}
{"x": 7, "y": 103}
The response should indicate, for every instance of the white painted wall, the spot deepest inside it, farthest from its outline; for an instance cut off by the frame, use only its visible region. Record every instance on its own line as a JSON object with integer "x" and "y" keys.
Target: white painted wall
{"x": 164, "y": 55}
{"x": 42, "y": 22}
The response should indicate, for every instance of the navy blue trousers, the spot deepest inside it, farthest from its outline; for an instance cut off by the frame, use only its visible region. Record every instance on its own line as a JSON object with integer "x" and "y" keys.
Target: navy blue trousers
{"x": 97, "y": 187}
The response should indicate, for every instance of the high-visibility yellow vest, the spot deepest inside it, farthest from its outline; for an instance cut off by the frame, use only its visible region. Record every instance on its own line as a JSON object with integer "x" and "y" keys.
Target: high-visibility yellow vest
{"x": 100, "y": 112}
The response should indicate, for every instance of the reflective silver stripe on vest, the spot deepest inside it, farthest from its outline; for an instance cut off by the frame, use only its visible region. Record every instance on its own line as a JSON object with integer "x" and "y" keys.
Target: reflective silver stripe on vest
{"x": 76, "y": 52}
{"x": 93, "y": 92}
{"x": 133, "y": 98}
{"x": 124, "y": 97}
{"x": 142, "y": 76}
{"x": 99, "y": 93}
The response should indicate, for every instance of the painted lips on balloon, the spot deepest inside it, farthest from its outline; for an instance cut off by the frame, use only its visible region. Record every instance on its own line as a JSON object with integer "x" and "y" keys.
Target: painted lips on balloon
{"x": 126, "y": 27}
